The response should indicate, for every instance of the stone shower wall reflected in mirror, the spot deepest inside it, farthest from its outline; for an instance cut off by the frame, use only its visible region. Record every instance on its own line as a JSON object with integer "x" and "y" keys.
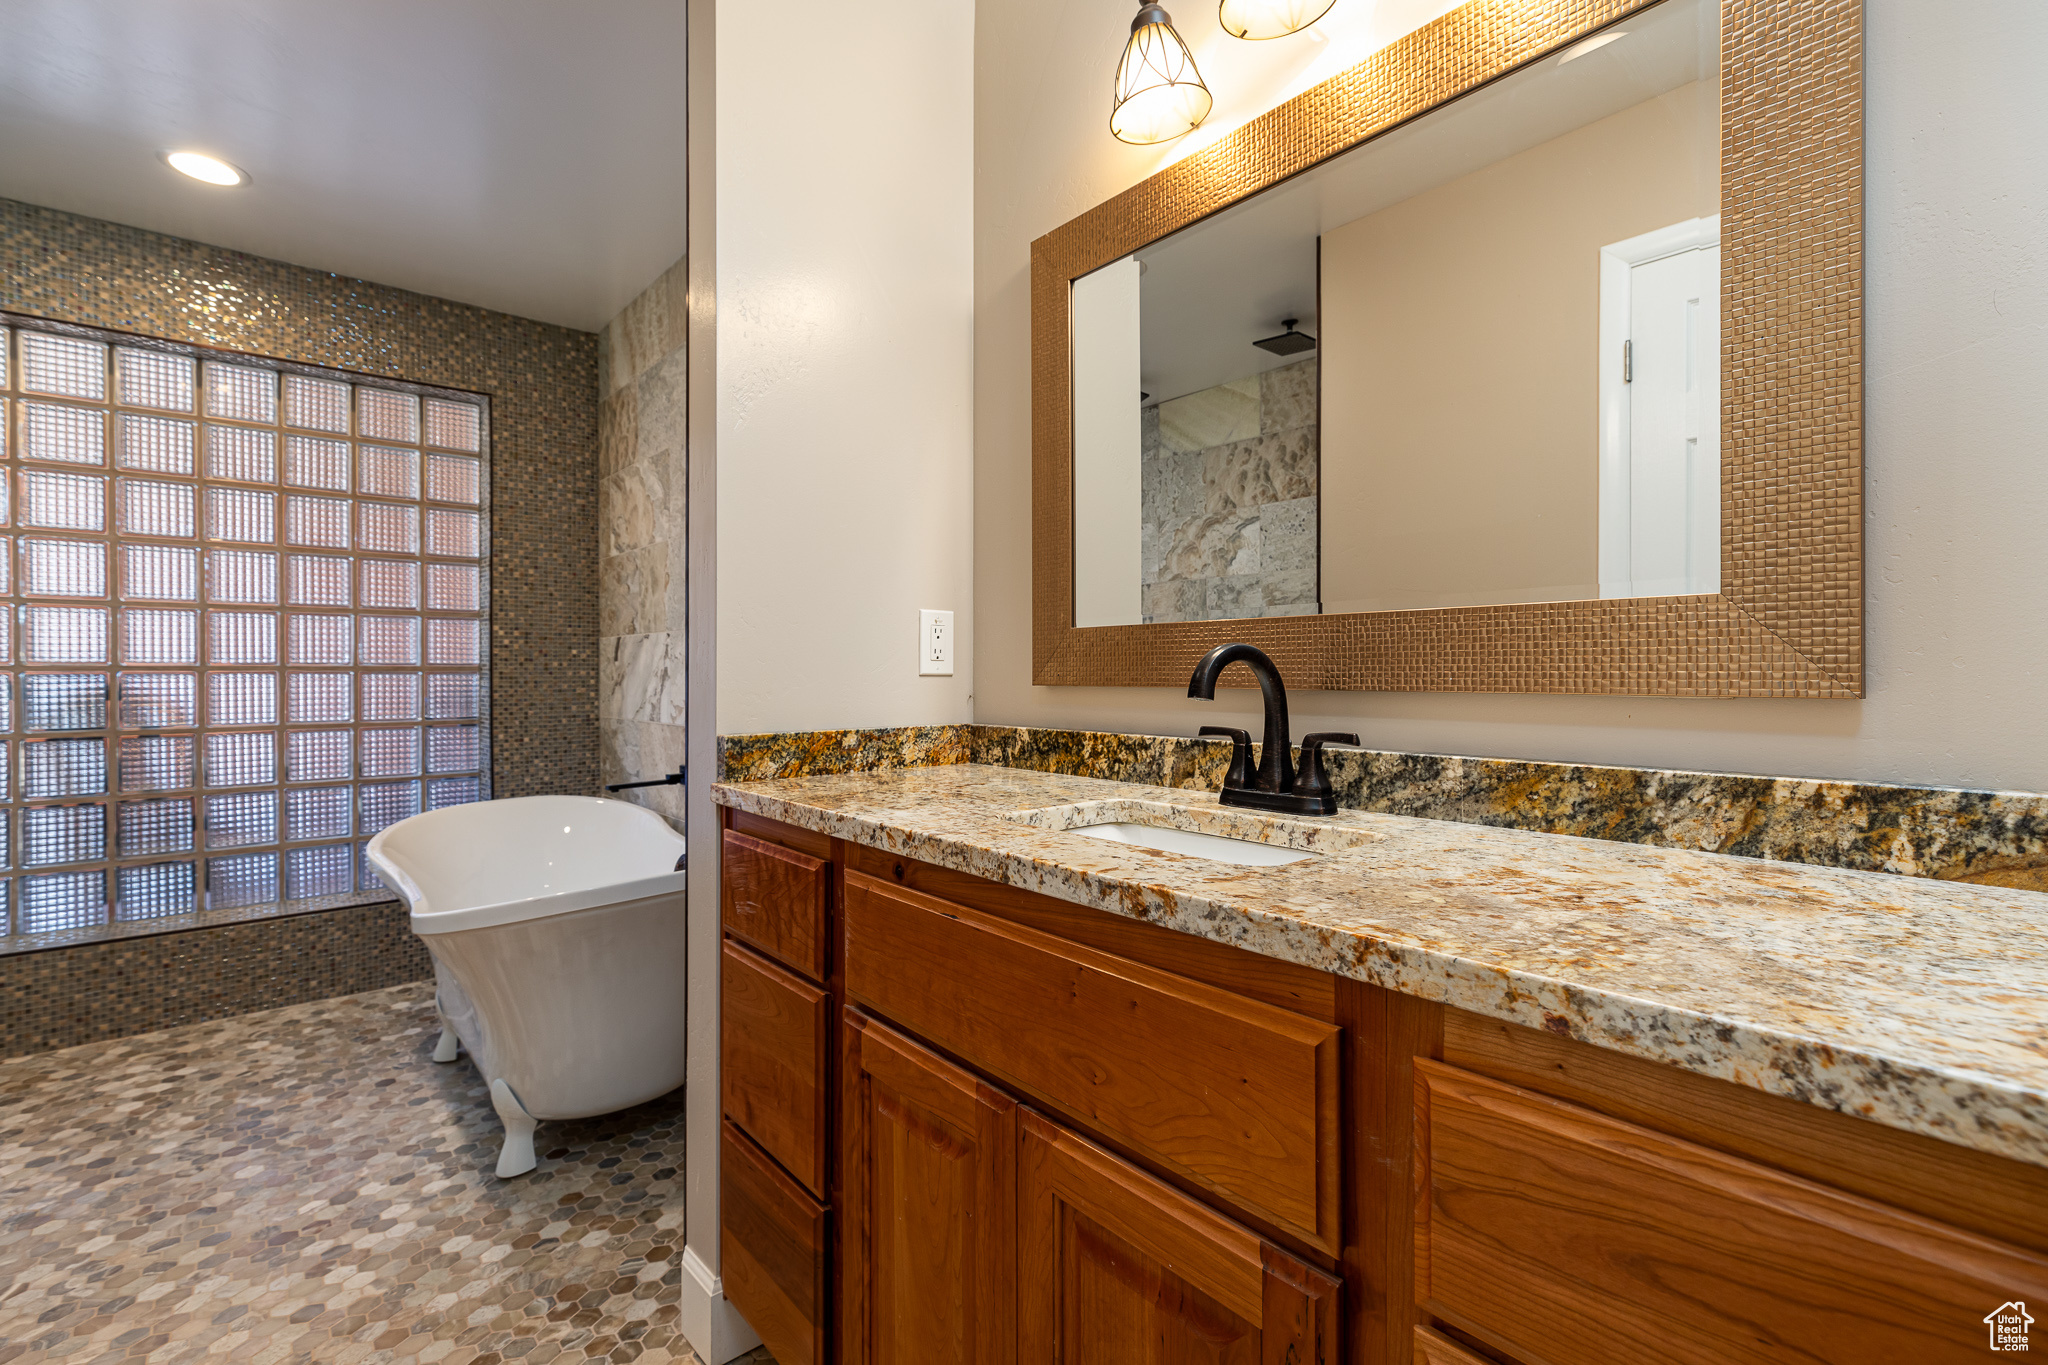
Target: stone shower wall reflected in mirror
{"x": 1504, "y": 377}
{"x": 1229, "y": 499}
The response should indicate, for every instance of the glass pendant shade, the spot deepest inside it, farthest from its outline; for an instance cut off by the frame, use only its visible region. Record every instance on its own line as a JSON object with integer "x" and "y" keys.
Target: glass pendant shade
{"x": 1159, "y": 94}
{"x": 1256, "y": 19}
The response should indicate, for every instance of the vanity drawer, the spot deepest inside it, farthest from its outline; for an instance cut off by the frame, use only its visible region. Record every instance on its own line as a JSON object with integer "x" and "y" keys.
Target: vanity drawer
{"x": 775, "y": 898}
{"x": 1562, "y": 1235}
{"x": 1234, "y": 1094}
{"x": 772, "y": 1250}
{"x": 775, "y": 1030}
{"x": 1434, "y": 1348}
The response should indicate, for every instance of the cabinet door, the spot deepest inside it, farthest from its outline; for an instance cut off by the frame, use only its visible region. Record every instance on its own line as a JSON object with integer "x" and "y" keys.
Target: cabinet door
{"x": 1118, "y": 1268}
{"x": 928, "y": 1208}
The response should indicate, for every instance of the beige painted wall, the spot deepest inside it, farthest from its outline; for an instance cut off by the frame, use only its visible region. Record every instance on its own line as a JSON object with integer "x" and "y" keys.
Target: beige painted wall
{"x": 1460, "y": 333}
{"x": 845, "y": 317}
{"x": 1956, "y": 424}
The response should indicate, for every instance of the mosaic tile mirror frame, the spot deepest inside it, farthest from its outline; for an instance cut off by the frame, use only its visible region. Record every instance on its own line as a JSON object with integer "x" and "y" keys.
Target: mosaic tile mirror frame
{"x": 1787, "y": 620}
{"x": 243, "y": 614}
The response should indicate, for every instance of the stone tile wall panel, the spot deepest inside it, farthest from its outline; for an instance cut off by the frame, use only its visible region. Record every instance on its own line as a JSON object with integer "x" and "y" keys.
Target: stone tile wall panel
{"x": 643, "y": 426}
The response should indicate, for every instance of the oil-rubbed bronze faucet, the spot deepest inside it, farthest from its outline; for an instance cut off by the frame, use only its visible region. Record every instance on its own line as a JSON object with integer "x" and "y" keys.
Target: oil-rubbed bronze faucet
{"x": 1275, "y": 786}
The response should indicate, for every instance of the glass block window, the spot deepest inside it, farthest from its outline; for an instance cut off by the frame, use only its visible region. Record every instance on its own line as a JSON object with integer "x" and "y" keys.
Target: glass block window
{"x": 242, "y": 625}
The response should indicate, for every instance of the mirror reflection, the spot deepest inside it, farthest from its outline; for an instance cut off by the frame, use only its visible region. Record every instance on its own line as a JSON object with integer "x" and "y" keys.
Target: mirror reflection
{"x": 1474, "y": 361}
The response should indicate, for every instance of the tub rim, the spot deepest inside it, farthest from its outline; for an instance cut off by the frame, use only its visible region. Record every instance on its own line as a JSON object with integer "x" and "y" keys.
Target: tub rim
{"x": 546, "y": 907}
{"x": 526, "y": 908}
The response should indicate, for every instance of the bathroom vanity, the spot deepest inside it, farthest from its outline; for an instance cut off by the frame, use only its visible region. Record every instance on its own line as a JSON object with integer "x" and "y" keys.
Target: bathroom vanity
{"x": 998, "y": 1089}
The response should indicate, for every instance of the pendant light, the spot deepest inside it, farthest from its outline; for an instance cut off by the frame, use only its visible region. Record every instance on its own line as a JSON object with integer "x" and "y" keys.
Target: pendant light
{"x": 1159, "y": 94}
{"x": 1258, "y": 19}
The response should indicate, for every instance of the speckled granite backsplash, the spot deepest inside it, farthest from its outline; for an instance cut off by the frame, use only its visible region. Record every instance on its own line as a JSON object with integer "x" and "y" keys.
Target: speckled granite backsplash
{"x": 1995, "y": 838}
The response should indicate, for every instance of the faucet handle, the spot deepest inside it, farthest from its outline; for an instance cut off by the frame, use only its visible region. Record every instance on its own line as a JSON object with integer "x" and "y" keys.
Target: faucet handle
{"x": 1311, "y": 780}
{"x": 1240, "y": 774}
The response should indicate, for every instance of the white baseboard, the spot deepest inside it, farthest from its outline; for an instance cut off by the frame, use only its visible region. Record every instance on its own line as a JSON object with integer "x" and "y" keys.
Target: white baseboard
{"x": 707, "y": 1319}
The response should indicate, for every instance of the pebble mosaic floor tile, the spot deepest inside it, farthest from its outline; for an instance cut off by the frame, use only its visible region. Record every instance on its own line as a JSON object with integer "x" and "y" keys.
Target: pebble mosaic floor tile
{"x": 306, "y": 1184}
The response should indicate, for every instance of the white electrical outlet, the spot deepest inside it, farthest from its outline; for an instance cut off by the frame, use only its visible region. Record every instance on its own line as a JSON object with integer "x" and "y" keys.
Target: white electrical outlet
{"x": 935, "y": 644}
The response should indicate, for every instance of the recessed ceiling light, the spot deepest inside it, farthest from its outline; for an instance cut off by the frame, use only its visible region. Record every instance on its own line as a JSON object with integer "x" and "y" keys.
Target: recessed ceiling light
{"x": 1592, "y": 44}
{"x": 211, "y": 169}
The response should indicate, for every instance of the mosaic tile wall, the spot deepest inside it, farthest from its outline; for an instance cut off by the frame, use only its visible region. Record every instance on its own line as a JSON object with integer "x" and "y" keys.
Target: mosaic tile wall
{"x": 1996, "y": 838}
{"x": 543, "y": 385}
{"x": 643, "y": 483}
{"x": 96, "y": 991}
{"x": 1229, "y": 499}
{"x": 542, "y": 381}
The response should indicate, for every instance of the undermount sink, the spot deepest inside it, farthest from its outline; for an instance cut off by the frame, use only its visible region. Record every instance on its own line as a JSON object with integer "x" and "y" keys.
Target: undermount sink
{"x": 1216, "y": 846}
{"x": 1213, "y": 832}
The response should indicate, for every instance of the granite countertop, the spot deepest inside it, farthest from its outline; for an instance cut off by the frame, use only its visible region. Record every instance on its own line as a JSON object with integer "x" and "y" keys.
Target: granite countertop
{"x": 1918, "y": 1004}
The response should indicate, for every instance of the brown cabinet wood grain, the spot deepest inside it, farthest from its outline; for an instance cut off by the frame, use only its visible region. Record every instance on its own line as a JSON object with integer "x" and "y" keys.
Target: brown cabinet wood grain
{"x": 776, "y": 899}
{"x": 772, "y": 1244}
{"x": 775, "y": 1030}
{"x": 928, "y": 1208}
{"x": 1434, "y": 1348}
{"x": 1286, "y": 984}
{"x": 2002, "y": 1199}
{"x": 1562, "y": 1236}
{"x": 1236, "y": 1095}
{"x": 1115, "y": 1265}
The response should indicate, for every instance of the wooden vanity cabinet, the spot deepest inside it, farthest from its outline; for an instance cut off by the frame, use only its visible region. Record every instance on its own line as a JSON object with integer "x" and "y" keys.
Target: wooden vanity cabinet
{"x": 970, "y": 1123}
{"x": 776, "y": 1051}
{"x": 1236, "y": 1097}
{"x": 1044, "y": 1141}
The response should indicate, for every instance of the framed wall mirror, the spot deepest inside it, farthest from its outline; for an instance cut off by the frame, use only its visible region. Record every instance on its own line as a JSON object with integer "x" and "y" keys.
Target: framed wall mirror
{"x": 1524, "y": 356}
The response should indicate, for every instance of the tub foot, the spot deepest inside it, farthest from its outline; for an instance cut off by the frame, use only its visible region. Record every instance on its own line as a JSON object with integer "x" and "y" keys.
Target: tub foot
{"x": 445, "y": 1050}
{"x": 516, "y": 1156}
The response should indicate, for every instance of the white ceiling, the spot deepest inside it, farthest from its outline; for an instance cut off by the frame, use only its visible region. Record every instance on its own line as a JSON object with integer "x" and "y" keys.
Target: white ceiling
{"x": 522, "y": 155}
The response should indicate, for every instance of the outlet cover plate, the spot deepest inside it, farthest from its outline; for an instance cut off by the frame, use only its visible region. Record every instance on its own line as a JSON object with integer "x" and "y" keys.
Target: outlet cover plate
{"x": 935, "y": 644}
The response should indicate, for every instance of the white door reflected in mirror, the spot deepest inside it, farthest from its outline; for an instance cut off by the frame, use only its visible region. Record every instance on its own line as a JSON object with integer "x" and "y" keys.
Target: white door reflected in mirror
{"x": 1108, "y": 433}
{"x": 1660, "y": 427}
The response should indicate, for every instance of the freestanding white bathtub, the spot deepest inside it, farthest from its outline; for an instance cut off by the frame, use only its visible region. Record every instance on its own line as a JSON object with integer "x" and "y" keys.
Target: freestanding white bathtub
{"x": 556, "y": 925}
